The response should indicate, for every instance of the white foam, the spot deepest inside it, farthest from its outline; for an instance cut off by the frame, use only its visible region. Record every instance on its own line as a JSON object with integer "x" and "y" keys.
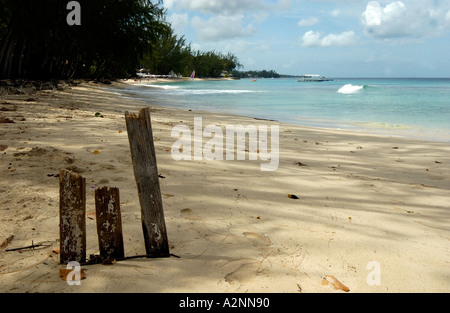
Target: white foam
{"x": 349, "y": 88}
{"x": 165, "y": 87}
{"x": 213, "y": 91}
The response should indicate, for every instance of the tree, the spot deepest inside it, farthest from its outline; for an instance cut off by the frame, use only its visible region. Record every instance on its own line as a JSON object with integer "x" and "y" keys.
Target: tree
{"x": 168, "y": 53}
{"x": 113, "y": 39}
{"x": 212, "y": 64}
{"x": 37, "y": 42}
{"x": 260, "y": 74}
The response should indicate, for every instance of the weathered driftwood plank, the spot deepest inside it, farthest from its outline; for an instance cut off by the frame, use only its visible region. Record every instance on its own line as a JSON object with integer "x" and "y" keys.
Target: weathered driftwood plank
{"x": 109, "y": 223}
{"x": 143, "y": 154}
{"x": 72, "y": 212}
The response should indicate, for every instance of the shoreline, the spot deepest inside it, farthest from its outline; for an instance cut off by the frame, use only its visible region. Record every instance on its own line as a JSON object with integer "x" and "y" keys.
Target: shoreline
{"x": 406, "y": 132}
{"x": 362, "y": 198}
{"x": 173, "y": 80}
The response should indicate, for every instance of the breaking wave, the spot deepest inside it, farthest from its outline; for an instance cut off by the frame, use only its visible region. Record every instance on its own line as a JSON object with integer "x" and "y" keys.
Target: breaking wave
{"x": 213, "y": 91}
{"x": 164, "y": 87}
{"x": 349, "y": 88}
{"x": 182, "y": 91}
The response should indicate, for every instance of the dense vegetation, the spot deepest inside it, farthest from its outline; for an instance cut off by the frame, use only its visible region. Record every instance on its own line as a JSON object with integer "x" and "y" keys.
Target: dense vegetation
{"x": 170, "y": 53}
{"x": 115, "y": 37}
{"x": 256, "y": 74}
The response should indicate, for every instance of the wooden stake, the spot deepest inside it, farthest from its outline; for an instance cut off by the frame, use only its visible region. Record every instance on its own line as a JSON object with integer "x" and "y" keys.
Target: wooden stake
{"x": 143, "y": 154}
{"x": 109, "y": 223}
{"x": 72, "y": 212}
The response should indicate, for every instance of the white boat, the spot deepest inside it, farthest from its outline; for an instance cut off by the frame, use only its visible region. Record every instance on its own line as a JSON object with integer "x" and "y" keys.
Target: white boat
{"x": 313, "y": 78}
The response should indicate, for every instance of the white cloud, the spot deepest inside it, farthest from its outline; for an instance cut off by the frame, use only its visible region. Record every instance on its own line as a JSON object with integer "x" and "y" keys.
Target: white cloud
{"x": 385, "y": 22}
{"x": 221, "y": 27}
{"x": 314, "y": 39}
{"x": 179, "y": 21}
{"x": 216, "y": 20}
{"x": 168, "y": 4}
{"x": 308, "y": 21}
{"x": 219, "y": 7}
{"x": 409, "y": 19}
{"x": 311, "y": 38}
{"x": 335, "y": 13}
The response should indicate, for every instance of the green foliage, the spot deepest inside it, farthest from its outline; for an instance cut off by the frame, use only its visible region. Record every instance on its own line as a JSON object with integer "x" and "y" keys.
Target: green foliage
{"x": 256, "y": 74}
{"x": 170, "y": 53}
{"x": 37, "y": 42}
{"x": 115, "y": 37}
{"x": 213, "y": 64}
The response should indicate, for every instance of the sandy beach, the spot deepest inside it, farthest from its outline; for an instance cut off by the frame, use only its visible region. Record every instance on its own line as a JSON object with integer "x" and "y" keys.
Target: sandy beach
{"x": 372, "y": 211}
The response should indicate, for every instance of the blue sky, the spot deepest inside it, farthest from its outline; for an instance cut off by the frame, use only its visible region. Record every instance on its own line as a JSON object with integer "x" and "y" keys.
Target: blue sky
{"x": 346, "y": 38}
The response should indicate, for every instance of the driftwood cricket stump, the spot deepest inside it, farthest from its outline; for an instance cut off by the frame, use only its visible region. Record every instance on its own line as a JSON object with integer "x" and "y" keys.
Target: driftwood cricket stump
{"x": 72, "y": 215}
{"x": 140, "y": 135}
{"x": 109, "y": 223}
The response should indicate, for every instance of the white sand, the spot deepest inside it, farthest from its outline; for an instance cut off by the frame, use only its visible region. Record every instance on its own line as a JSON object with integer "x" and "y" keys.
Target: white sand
{"x": 362, "y": 198}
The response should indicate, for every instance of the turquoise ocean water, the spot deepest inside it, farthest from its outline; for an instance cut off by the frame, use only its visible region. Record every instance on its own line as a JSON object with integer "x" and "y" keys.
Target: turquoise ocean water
{"x": 413, "y": 108}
